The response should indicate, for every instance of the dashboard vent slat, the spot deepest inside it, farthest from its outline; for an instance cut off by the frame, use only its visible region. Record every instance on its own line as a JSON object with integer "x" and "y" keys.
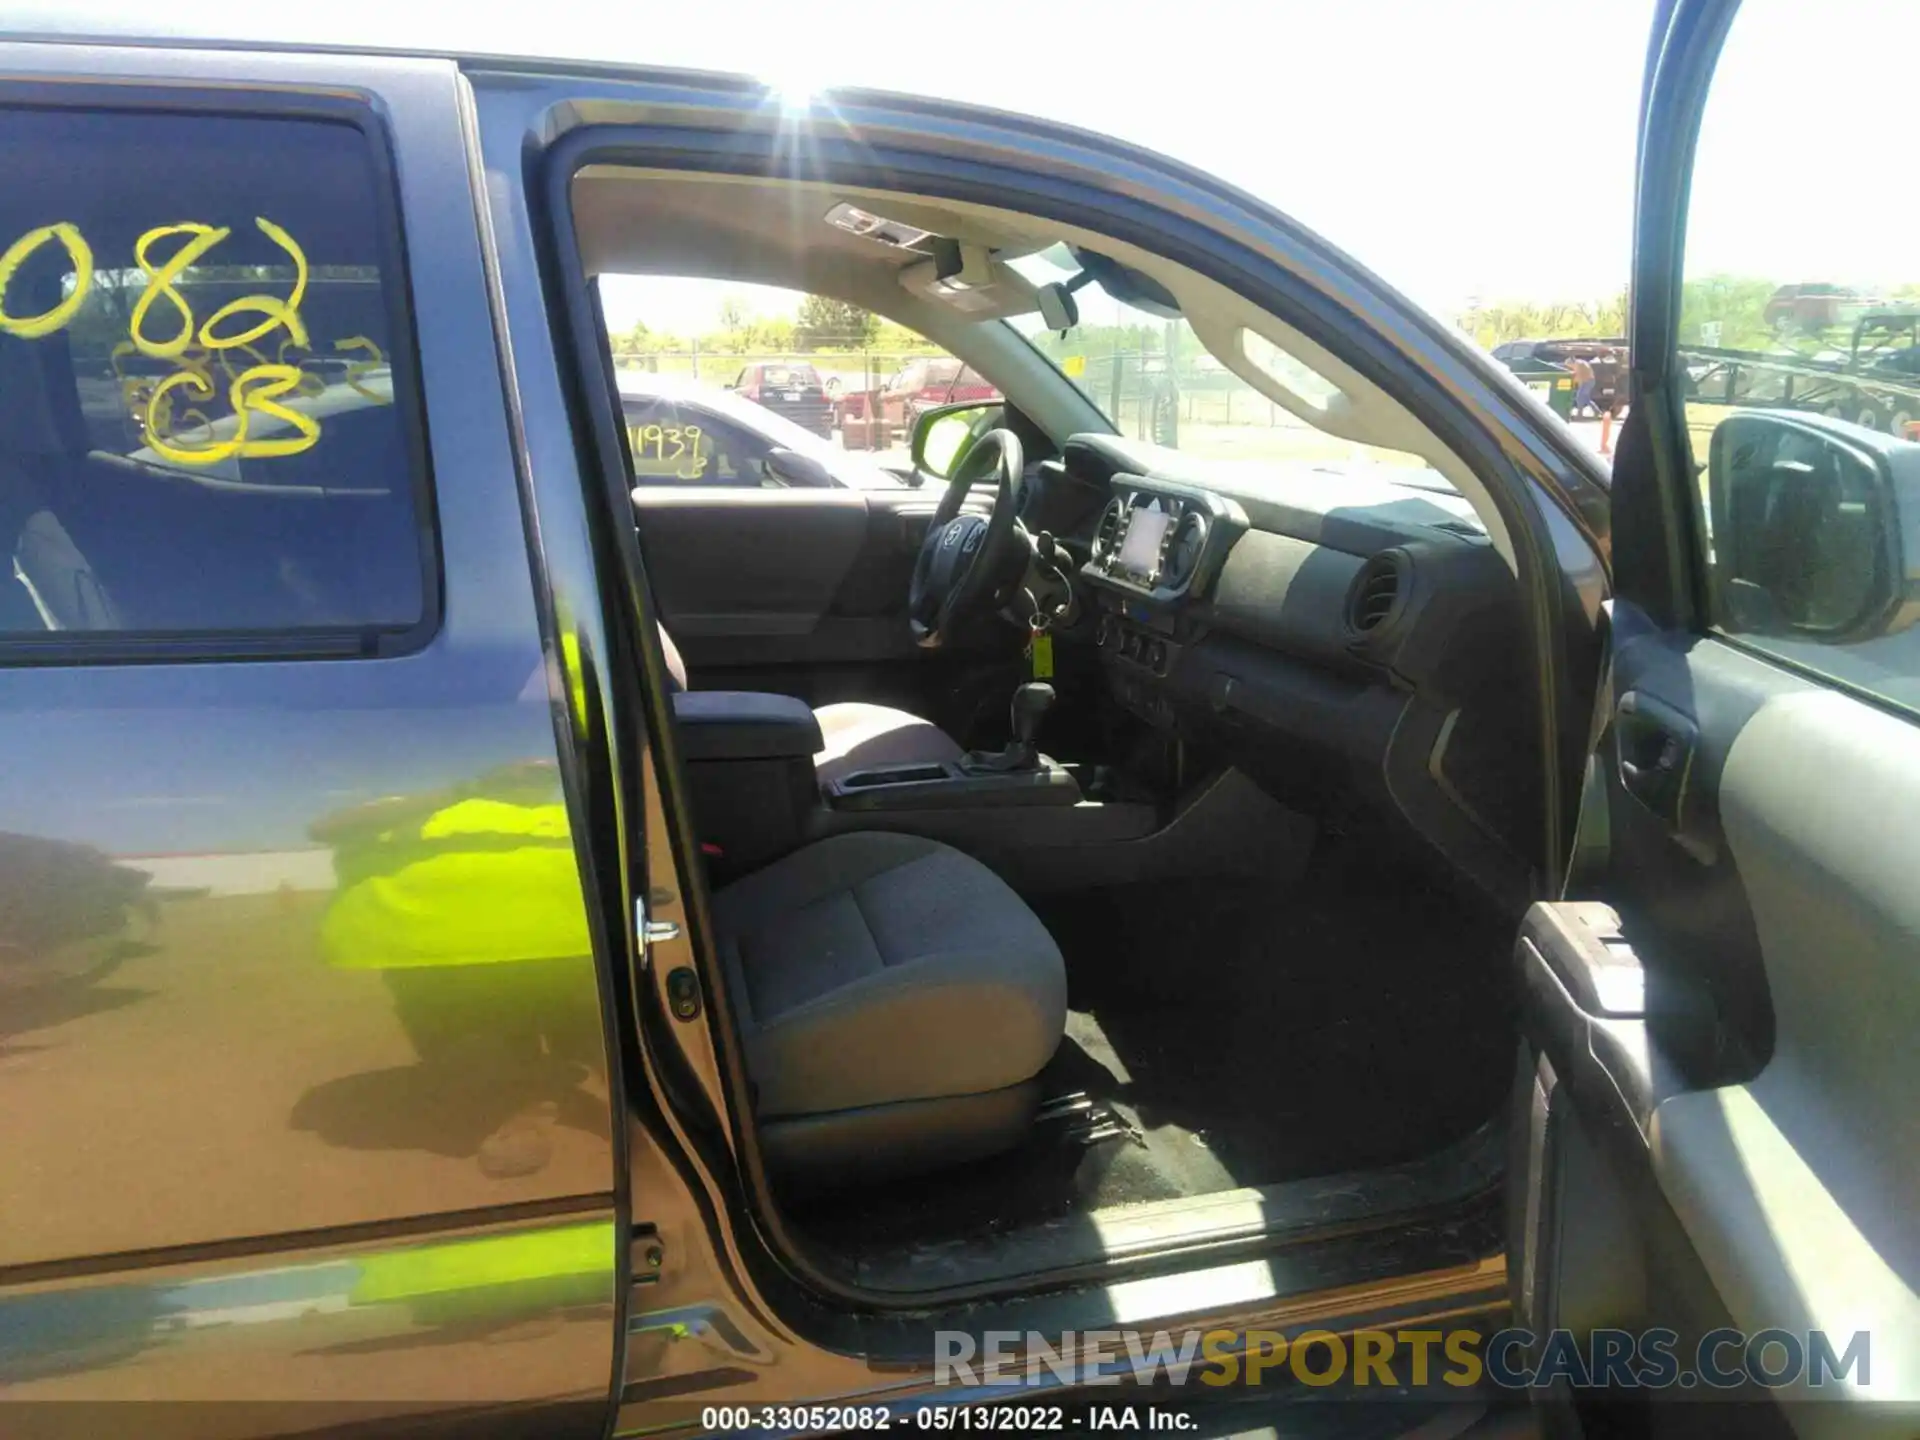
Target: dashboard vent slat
{"x": 1375, "y": 592}
{"x": 1106, "y": 538}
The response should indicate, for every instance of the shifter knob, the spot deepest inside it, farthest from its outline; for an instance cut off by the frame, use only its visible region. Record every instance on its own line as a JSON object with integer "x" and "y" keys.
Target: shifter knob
{"x": 1031, "y": 702}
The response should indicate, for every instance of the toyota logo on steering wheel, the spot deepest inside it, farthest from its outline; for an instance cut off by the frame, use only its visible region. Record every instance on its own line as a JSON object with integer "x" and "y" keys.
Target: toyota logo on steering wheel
{"x": 952, "y": 537}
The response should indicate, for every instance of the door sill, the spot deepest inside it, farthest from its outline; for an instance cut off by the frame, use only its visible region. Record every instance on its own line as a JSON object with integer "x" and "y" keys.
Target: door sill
{"x": 1119, "y": 1240}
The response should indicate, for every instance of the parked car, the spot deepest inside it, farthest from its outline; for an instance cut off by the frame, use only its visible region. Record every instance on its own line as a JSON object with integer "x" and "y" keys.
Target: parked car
{"x": 681, "y": 432}
{"x": 492, "y": 945}
{"x": 791, "y": 390}
{"x": 919, "y": 385}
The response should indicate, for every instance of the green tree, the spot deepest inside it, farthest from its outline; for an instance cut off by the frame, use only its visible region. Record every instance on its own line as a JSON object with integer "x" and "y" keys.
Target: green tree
{"x": 633, "y": 342}
{"x": 834, "y": 324}
{"x": 1735, "y": 305}
{"x": 1502, "y": 320}
{"x": 895, "y": 339}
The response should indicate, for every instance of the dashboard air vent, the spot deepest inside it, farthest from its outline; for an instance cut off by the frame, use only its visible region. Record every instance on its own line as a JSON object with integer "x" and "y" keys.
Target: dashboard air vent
{"x": 1106, "y": 536}
{"x": 1375, "y": 592}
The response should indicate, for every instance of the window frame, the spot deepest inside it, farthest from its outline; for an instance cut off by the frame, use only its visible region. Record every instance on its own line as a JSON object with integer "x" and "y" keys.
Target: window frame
{"x": 141, "y": 647}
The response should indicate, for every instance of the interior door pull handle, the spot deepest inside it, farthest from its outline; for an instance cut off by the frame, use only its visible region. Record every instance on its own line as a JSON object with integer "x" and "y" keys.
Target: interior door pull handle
{"x": 1654, "y": 751}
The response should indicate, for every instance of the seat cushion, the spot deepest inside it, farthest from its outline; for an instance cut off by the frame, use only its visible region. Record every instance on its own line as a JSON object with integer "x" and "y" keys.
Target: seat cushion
{"x": 860, "y": 737}
{"x": 872, "y": 968}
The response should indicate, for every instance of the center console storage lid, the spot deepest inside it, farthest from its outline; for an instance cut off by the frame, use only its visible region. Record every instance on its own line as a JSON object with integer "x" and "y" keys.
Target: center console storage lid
{"x": 744, "y": 725}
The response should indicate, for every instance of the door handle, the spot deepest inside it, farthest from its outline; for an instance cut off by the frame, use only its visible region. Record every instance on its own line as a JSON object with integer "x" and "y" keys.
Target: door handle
{"x": 1654, "y": 749}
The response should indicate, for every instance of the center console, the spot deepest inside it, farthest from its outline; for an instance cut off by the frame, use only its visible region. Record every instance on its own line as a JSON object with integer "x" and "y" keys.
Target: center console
{"x": 1017, "y": 775}
{"x": 750, "y": 763}
{"x": 1159, "y": 545}
{"x": 1160, "y": 542}
{"x": 756, "y": 796}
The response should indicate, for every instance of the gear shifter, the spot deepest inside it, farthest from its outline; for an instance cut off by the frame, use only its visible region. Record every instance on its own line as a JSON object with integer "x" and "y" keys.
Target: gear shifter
{"x": 1031, "y": 702}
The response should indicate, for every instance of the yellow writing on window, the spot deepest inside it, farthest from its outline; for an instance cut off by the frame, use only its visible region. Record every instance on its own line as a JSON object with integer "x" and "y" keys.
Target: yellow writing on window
{"x": 679, "y": 451}
{"x": 278, "y": 313}
{"x": 255, "y": 391}
{"x": 169, "y": 408}
{"x": 32, "y": 327}
{"x": 360, "y": 369}
{"x": 160, "y": 278}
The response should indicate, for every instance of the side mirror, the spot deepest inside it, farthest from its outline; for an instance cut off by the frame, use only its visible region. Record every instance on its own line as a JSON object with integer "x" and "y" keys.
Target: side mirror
{"x": 1815, "y": 527}
{"x": 943, "y": 435}
{"x": 803, "y": 472}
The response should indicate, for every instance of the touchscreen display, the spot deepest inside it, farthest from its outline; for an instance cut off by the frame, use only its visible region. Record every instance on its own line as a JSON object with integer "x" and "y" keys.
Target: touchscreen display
{"x": 1140, "y": 551}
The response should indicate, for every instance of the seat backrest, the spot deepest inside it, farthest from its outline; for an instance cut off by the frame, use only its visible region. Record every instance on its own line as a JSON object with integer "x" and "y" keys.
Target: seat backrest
{"x": 42, "y": 431}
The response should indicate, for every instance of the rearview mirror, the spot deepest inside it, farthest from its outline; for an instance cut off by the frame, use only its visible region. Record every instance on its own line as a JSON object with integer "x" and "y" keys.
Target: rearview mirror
{"x": 1816, "y": 527}
{"x": 1059, "y": 311}
{"x": 943, "y": 435}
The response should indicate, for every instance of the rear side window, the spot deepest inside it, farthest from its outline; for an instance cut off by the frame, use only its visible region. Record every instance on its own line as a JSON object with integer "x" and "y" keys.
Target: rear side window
{"x": 206, "y": 425}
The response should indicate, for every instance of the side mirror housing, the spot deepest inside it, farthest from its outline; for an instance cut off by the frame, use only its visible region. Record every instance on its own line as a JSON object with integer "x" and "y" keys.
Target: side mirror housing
{"x": 1815, "y": 527}
{"x": 803, "y": 472}
{"x": 943, "y": 435}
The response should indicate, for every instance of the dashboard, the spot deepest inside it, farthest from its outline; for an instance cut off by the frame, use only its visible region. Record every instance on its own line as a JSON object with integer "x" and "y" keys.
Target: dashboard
{"x": 1348, "y": 636}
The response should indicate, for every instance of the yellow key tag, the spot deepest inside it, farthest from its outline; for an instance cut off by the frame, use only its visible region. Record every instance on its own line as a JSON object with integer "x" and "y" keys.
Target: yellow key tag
{"x": 1042, "y": 651}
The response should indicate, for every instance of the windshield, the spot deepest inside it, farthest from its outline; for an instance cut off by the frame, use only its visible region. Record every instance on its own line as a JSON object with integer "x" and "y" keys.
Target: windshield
{"x": 783, "y": 375}
{"x": 1156, "y": 381}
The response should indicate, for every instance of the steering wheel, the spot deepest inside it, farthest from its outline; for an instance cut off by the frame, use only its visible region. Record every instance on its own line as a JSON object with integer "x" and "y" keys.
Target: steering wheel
{"x": 965, "y": 559}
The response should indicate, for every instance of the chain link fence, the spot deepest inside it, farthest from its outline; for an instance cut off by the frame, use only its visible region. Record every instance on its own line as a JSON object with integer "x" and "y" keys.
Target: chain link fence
{"x": 846, "y": 373}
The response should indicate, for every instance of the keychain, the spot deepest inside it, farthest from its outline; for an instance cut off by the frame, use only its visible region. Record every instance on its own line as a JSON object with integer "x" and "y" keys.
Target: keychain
{"x": 1040, "y": 646}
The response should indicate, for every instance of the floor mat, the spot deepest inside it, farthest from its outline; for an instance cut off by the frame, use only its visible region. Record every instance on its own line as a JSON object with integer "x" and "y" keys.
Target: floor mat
{"x": 1240, "y": 1037}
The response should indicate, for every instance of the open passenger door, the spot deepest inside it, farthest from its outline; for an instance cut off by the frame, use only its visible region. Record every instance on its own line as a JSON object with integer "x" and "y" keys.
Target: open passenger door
{"x": 1715, "y": 1126}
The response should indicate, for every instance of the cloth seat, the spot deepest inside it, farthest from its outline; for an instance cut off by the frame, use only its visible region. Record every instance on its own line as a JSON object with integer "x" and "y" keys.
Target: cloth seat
{"x": 896, "y": 1000}
{"x": 857, "y": 736}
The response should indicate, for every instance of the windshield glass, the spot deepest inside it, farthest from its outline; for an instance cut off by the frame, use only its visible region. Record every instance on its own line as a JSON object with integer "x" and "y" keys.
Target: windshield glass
{"x": 1156, "y": 381}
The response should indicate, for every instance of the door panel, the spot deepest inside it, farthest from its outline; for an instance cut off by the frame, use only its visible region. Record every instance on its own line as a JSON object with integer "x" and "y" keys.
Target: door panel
{"x": 1797, "y": 1187}
{"x": 805, "y": 592}
{"x": 747, "y": 564}
{"x": 1730, "y": 1073}
{"x": 246, "y": 1074}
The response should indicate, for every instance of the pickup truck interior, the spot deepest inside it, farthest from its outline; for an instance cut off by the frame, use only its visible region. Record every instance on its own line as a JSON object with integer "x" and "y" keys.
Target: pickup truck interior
{"x": 1187, "y": 917}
